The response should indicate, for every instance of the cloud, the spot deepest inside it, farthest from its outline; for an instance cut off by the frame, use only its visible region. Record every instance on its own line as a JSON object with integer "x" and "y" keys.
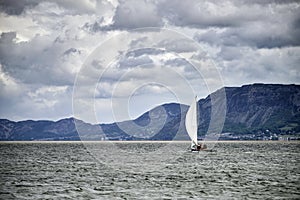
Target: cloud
{"x": 229, "y": 13}
{"x": 16, "y": 7}
{"x": 20, "y": 101}
{"x": 52, "y": 56}
{"x": 131, "y": 61}
{"x": 276, "y": 27}
{"x": 20, "y": 60}
{"x": 254, "y": 35}
{"x": 229, "y": 53}
{"x": 265, "y": 2}
{"x": 143, "y": 51}
{"x": 9, "y": 86}
{"x": 276, "y": 65}
{"x": 178, "y": 45}
{"x": 133, "y": 14}
{"x": 43, "y": 45}
{"x": 200, "y": 14}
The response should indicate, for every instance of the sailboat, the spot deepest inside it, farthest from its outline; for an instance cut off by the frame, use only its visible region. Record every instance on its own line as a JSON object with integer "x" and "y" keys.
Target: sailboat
{"x": 192, "y": 126}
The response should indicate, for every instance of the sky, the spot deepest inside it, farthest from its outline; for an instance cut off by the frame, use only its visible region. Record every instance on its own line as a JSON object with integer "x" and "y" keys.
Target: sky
{"x": 110, "y": 60}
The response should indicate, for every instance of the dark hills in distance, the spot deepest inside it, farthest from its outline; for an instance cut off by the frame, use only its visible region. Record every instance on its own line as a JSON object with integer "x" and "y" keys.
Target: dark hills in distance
{"x": 253, "y": 112}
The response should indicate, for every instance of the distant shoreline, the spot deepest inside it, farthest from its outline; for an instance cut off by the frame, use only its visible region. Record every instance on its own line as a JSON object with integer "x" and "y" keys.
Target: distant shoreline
{"x": 156, "y": 141}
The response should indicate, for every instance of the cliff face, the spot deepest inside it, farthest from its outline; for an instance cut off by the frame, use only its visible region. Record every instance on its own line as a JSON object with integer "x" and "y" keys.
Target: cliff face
{"x": 249, "y": 109}
{"x": 262, "y": 106}
{"x": 256, "y": 107}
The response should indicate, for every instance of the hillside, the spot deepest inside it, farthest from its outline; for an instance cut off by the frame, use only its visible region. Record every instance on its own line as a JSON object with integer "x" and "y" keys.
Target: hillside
{"x": 258, "y": 111}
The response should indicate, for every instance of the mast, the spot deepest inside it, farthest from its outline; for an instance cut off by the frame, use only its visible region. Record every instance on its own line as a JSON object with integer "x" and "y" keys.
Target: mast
{"x": 196, "y": 119}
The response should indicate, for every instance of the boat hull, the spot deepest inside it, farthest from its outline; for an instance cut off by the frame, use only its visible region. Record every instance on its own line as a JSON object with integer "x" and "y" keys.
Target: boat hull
{"x": 195, "y": 150}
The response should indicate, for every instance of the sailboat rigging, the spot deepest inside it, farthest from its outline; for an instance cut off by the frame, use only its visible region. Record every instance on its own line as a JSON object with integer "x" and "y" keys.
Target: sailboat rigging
{"x": 191, "y": 124}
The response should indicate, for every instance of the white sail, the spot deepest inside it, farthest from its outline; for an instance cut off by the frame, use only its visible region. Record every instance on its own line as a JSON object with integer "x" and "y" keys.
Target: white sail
{"x": 191, "y": 122}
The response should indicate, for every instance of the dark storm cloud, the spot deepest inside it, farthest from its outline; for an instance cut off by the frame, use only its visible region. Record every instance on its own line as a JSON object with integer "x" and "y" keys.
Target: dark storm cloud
{"x": 16, "y": 7}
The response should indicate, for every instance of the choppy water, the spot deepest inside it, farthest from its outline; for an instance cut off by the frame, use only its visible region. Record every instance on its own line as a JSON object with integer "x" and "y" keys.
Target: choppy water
{"x": 237, "y": 170}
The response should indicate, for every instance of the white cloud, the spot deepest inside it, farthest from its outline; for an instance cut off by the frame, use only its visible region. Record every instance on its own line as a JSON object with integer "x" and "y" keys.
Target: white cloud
{"x": 278, "y": 65}
{"x": 22, "y": 101}
{"x": 132, "y": 14}
{"x": 9, "y": 86}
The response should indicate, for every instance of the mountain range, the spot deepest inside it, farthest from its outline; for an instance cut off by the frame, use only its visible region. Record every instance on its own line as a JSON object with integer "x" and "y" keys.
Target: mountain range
{"x": 256, "y": 111}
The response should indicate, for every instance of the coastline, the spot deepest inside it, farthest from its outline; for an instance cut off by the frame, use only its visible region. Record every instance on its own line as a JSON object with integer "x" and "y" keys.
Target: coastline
{"x": 153, "y": 141}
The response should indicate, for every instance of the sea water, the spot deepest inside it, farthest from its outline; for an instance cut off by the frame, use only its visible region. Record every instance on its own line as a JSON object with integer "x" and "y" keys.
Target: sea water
{"x": 149, "y": 170}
